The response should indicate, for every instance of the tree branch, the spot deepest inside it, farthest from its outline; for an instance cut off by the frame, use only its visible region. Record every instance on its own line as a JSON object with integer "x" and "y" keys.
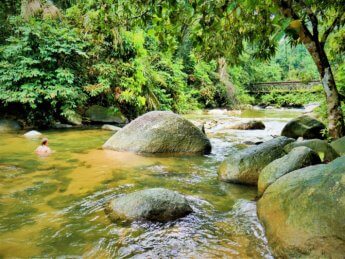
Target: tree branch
{"x": 286, "y": 9}
{"x": 329, "y": 30}
{"x": 312, "y": 18}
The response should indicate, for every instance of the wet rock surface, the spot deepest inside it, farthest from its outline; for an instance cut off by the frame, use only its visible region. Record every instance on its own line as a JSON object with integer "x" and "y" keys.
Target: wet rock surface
{"x": 304, "y": 126}
{"x": 250, "y": 125}
{"x": 244, "y": 166}
{"x": 33, "y": 134}
{"x": 160, "y": 132}
{"x": 155, "y": 204}
{"x": 339, "y": 146}
{"x": 303, "y": 212}
{"x": 297, "y": 158}
{"x": 321, "y": 147}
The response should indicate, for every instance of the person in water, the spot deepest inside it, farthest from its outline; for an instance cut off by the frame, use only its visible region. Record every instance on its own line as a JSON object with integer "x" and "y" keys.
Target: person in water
{"x": 43, "y": 149}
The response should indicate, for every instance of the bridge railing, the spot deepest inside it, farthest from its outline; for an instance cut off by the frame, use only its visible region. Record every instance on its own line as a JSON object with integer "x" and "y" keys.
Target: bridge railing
{"x": 283, "y": 86}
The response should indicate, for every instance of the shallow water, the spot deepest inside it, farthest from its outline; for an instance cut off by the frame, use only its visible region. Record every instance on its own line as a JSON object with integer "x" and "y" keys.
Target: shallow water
{"x": 54, "y": 206}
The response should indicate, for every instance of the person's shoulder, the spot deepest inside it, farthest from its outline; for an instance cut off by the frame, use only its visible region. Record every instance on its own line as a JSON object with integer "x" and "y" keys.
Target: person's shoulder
{"x": 39, "y": 148}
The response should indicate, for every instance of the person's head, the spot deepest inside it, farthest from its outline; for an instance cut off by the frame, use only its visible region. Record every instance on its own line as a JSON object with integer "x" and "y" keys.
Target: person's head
{"x": 44, "y": 141}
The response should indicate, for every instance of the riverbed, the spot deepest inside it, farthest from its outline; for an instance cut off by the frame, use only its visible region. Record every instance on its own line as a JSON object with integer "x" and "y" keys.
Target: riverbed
{"x": 54, "y": 206}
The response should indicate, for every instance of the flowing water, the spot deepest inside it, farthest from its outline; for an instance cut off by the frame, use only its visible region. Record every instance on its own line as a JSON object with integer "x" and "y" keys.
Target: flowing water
{"x": 54, "y": 206}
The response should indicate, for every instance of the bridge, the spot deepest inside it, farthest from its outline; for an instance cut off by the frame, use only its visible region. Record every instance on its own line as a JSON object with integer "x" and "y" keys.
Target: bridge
{"x": 285, "y": 86}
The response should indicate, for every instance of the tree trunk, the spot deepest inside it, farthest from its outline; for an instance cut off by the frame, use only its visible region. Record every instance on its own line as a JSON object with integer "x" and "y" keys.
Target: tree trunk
{"x": 224, "y": 78}
{"x": 335, "y": 115}
{"x": 316, "y": 49}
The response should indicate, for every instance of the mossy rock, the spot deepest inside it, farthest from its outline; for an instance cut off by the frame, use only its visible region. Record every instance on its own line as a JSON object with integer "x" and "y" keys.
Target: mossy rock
{"x": 321, "y": 147}
{"x": 9, "y": 126}
{"x": 339, "y": 146}
{"x": 160, "y": 132}
{"x": 303, "y": 212}
{"x": 244, "y": 166}
{"x": 155, "y": 204}
{"x": 305, "y": 127}
{"x": 298, "y": 157}
{"x": 100, "y": 114}
{"x": 74, "y": 119}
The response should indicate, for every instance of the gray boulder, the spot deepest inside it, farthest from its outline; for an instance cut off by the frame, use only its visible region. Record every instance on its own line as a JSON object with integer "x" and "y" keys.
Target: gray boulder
{"x": 303, "y": 212}
{"x": 99, "y": 114}
{"x": 250, "y": 125}
{"x": 159, "y": 132}
{"x": 321, "y": 147}
{"x": 110, "y": 127}
{"x": 298, "y": 157}
{"x": 9, "y": 126}
{"x": 244, "y": 166}
{"x": 339, "y": 146}
{"x": 33, "y": 134}
{"x": 74, "y": 119}
{"x": 156, "y": 204}
{"x": 305, "y": 127}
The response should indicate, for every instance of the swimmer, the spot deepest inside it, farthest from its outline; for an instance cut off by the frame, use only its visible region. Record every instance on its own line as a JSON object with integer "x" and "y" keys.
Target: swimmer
{"x": 43, "y": 149}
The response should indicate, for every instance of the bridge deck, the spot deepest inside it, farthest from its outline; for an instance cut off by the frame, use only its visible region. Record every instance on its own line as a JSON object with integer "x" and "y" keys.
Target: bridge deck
{"x": 284, "y": 86}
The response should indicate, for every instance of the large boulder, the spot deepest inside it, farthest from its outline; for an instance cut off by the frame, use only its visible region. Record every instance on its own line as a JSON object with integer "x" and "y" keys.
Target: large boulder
{"x": 159, "y": 132}
{"x": 303, "y": 212}
{"x": 244, "y": 166}
{"x": 100, "y": 114}
{"x": 321, "y": 147}
{"x": 9, "y": 126}
{"x": 33, "y": 134}
{"x": 339, "y": 146}
{"x": 298, "y": 157}
{"x": 305, "y": 127}
{"x": 250, "y": 125}
{"x": 155, "y": 204}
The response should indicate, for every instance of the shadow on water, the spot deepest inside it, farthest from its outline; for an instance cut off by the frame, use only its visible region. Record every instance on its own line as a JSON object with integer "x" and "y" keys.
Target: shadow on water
{"x": 54, "y": 206}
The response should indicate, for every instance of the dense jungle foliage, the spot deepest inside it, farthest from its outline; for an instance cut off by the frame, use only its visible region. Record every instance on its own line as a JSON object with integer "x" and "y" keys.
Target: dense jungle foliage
{"x": 59, "y": 57}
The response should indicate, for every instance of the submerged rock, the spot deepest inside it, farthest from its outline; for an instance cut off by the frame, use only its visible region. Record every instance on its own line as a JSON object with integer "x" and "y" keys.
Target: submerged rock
{"x": 303, "y": 212}
{"x": 110, "y": 127}
{"x": 321, "y": 147}
{"x": 155, "y": 204}
{"x": 9, "y": 126}
{"x": 298, "y": 157}
{"x": 250, "y": 125}
{"x": 33, "y": 134}
{"x": 339, "y": 146}
{"x": 99, "y": 114}
{"x": 303, "y": 126}
{"x": 244, "y": 166}
{"x": 160, "y": 132}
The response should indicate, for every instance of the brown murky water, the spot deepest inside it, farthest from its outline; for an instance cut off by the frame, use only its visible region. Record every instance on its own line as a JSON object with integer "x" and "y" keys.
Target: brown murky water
{"x": 53, "y": 206}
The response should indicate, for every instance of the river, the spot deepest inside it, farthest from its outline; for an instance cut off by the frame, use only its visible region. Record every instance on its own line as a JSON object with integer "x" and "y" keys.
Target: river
{"x": 54, "y": 206}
